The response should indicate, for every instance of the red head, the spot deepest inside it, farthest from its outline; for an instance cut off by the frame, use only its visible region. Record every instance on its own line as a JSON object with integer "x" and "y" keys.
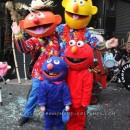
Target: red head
{"x": 78, "y": 55}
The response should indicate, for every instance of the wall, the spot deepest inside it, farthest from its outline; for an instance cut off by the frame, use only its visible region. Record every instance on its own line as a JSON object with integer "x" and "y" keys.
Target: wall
{"x": 122, "y": 19}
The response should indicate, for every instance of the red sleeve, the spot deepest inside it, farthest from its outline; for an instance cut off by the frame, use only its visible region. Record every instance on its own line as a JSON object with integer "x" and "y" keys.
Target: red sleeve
{"x": 87, "y": 89}
{"x": 33, "y": 44}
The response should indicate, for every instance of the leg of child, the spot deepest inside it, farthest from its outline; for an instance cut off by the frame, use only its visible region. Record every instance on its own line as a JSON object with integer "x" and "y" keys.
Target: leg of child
{"x": 49, "y": 121}
{"x": 77, "y": 119}
{"x": 58, "y": 122}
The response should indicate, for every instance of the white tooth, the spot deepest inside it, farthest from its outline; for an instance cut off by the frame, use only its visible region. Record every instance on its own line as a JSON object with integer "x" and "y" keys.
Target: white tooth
{"x": 75, "y": 59}
{"x": 50, "y": 73}
{"x": 75, "y": 16}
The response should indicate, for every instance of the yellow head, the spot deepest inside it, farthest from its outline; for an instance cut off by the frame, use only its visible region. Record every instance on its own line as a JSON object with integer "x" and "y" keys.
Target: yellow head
{"x": 78, "y": 13}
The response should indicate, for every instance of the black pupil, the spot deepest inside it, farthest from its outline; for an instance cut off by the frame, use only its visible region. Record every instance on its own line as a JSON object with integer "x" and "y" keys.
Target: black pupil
{"x": 81, "y": 2}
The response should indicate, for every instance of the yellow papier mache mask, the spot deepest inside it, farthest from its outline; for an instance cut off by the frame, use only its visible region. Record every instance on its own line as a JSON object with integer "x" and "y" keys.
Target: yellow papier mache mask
{"x": 78, "y": 13}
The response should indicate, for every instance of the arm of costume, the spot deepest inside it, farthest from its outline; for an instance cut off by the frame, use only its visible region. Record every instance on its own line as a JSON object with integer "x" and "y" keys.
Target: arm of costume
{"x": 95, "y": 42}
{"x": 66, "y": 95}
{"x": 42, "y": 94}
{"x": 19, "y": 41}
{"x": 87, "y": 90}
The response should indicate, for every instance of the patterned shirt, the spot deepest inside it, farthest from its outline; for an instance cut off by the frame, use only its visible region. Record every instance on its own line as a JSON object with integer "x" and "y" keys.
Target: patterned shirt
{"x": 49, "y": 46}
{"x": 84, "y": 34}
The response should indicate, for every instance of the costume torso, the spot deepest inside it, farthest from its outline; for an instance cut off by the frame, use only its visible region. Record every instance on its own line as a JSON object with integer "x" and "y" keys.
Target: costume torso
{"x": 48, "y": 46}
{"x": 80, "y": 84}
{"x": 56, "y": 96}
{"x": 64, "y": 32}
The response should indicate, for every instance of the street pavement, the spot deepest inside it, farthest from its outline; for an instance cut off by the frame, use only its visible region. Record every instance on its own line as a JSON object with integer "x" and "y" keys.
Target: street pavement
{"x": 109, "y": 114}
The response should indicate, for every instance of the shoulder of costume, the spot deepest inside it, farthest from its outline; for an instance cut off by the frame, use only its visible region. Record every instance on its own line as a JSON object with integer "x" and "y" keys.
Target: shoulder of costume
{"x": 60, "y": 28}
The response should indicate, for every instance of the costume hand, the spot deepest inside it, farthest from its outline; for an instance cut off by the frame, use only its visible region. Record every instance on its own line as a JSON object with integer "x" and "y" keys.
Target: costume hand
{"x": 67, "y": 108}
{"x": 15, "y": 28}
{"x": 113, "y": 42}
{"x": 43, "y": 108}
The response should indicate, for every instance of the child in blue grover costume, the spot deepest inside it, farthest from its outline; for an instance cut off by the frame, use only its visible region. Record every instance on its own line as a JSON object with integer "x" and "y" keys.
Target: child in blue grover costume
{"x": 54, "y": 93}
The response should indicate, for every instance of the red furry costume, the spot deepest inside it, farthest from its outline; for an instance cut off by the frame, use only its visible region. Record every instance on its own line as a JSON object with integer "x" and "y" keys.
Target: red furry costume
{"x": 79, "y": 57}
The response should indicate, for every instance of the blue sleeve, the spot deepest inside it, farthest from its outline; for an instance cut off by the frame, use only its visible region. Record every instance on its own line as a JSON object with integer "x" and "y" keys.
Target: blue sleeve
{"x": 66, "y": 95}
{"x": 42, "y": 94}
{"x": 94, "y": 42}
{"x": 59, "y": 29}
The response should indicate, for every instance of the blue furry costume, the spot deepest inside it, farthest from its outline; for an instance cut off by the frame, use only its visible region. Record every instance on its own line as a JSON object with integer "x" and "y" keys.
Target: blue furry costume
{"x": 54, "y": 93}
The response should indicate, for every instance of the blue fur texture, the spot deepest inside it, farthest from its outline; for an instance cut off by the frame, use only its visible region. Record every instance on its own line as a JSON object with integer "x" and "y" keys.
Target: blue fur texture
{"x": 59, "y": 66}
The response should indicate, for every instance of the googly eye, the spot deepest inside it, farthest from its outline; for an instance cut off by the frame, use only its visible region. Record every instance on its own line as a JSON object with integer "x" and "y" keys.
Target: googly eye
{"x": 72, "y": 42}
{"x": 31, "y": 16}
{"x": 49, "y": 60}
{"x": 80, "y": 43}
{"x": 40, "y": 15}
{"x": 56, "y": 62}
{"x": 81, "y": 2}
{"x": 74, "y": 1}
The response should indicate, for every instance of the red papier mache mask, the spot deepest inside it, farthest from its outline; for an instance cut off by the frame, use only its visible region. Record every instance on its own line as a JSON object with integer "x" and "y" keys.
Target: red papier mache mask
{"x": 40, "y": 23}
{"x": 78, "y": 55}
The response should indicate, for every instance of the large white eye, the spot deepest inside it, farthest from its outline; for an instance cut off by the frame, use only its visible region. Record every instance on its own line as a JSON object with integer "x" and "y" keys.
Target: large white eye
{"x": 31, "y": 16}
{"x": 40, "y": 15}
{"x": 72, "y": 42}
{"x": 81, "y": 2}
{"x": 80, "y": 43}
{"x": 49, "y": 60}
{"x": 74, "y": 1}
{"x": 56, "y": 62}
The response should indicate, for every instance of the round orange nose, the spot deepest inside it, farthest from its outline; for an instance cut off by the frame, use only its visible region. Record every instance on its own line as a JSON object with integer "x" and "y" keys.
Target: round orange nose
{"x": 75, "y": 8}
{"x": 50, "y": 66}
{"x": 74, "y": 49}
{"x": 36, "y": 20}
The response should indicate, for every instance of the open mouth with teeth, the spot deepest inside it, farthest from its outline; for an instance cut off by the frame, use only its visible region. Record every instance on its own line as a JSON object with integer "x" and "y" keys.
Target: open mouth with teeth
{"x": 76, "y": 16}
{"x": 39, "y": 29}
{"x": 76, "y": 60}
{"x": 52, "y": 74}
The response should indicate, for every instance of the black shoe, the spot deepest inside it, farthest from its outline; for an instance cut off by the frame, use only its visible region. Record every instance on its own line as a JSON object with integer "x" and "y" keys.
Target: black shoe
{"x": 22, "y": 121}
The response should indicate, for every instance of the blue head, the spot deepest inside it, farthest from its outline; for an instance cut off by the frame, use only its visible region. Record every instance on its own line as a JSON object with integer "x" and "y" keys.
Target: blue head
{"x": 54, "y": 69}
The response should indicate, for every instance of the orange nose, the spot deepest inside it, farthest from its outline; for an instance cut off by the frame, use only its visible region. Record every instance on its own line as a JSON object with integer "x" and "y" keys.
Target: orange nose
{"x": 74, "y": 49}
{"x": 36, "y": 20}
{"x": 75, "y": 7}
{"x": 50, "y": 66}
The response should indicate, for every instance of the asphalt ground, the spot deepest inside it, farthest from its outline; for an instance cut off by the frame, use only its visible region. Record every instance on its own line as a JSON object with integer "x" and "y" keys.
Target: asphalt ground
{"x": 109, "y": 114}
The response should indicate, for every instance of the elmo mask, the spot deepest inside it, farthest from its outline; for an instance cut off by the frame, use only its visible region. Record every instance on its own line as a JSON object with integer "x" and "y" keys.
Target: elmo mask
{"x": 78, "y": 55}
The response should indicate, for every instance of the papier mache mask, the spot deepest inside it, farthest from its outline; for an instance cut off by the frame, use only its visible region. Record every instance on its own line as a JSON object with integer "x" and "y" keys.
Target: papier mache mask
{"x": 54, "y": 69}
{"x": 78, "y": 55}
{"x": 78, "y": 13}
{"x": 39, "y": 22}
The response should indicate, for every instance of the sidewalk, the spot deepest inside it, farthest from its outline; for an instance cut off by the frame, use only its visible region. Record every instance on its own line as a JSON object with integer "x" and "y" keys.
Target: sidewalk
{"x": 109, "y": 114}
